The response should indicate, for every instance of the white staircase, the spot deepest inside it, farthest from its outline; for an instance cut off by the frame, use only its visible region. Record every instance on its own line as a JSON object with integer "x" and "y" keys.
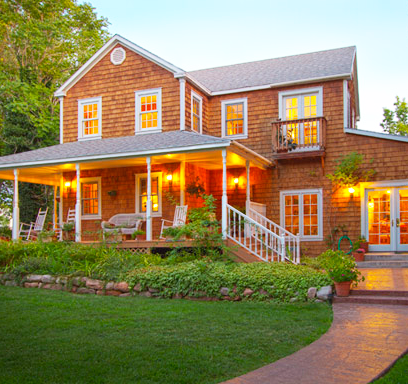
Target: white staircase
{"x": 262, "y": 237}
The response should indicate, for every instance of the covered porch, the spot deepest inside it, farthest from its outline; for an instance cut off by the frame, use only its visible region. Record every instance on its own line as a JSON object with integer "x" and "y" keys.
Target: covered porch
{"x": 147, "y": 178}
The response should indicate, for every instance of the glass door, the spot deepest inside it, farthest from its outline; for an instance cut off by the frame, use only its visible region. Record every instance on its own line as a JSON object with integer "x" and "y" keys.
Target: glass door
{"x": 378, "y": 203}
{"x": 401, "y": 220}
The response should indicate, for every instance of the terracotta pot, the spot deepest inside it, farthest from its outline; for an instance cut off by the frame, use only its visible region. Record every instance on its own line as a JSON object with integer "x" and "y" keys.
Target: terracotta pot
{"x": 343, "y": 288}
{"x": 364, "y": 245}
{"x": 358, "y": 256}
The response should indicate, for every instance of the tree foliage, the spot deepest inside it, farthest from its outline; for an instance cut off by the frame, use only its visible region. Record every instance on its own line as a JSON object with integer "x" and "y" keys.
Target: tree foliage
{"x": 396, "y": 122}
{"x": 42, "y": 44}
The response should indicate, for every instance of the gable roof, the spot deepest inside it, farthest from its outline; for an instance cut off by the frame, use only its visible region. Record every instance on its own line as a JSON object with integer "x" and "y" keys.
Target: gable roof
{"x": 117, "y": 147}
{"x": 117, "y": 39}
{"x": 323, "y": 65}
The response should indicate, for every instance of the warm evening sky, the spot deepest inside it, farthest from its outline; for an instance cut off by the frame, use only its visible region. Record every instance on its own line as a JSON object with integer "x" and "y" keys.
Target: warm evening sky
{"x": 194, "y": 34}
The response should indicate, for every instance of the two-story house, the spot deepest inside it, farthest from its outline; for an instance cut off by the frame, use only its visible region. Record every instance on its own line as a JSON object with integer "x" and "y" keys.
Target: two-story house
{"x": 135, "y": 129}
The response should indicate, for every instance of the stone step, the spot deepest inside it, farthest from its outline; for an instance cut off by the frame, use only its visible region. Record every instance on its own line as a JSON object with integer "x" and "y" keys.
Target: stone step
{"x": 395, "y": 257}
{"x": 372, "y": 292}
{"x": 366, "y": 299}
{"x": 383, "y": 264}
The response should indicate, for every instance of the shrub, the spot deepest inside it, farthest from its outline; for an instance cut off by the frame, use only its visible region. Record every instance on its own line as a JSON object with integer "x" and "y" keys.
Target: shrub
{"x": 280, "y": 281}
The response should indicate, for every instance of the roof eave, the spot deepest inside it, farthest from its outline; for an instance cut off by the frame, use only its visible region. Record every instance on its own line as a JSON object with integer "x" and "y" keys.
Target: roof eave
{"x": 116, "y": 156}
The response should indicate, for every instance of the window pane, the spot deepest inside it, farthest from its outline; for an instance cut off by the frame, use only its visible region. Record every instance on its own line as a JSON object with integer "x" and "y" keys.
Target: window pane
{"x": 292, "y": 213}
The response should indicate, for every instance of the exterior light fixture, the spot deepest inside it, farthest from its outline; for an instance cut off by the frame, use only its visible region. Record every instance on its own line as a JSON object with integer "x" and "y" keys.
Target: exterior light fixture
{"x": 351, "y": 190}
{"x": 67, "y": 184}
{"x": 389, "y": 191}
{"x": 236, "y": 180}
{"x": 169, "y": 177}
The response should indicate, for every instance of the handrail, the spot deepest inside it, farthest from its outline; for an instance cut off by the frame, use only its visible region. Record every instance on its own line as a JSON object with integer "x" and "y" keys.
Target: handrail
{"x": 292, "y": 242}
{"x": 254, "y": 237}
{"x": 289, "y": 135}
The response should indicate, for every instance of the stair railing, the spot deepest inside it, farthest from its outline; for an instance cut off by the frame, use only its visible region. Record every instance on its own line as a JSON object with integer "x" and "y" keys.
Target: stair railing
{"x": 254, "y": 237}
{"x": 292, "y": 242}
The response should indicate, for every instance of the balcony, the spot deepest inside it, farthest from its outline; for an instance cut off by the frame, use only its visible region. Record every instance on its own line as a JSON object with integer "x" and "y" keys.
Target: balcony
{"x": 299, "y": 138}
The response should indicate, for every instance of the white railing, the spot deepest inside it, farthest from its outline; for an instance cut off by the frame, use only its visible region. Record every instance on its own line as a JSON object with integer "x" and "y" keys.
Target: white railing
{"x": 291, "y": 241}
{"x": 254, "y": 237}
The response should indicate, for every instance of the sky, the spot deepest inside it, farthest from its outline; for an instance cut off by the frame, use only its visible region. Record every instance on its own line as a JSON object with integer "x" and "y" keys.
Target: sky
{"x": 203, "y": 34}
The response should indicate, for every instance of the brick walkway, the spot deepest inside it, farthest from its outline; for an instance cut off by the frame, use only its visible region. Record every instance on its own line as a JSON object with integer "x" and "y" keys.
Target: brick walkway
{"x": 363, "y": 341}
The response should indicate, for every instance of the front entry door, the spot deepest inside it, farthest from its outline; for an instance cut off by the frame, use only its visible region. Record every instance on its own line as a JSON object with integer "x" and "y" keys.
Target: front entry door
{"x": 387, "y": 218}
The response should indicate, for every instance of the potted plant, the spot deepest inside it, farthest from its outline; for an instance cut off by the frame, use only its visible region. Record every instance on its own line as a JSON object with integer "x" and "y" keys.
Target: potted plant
{"x": 358, "y": 254}
{"x": 363, "y": 243}
{"x": 342, "y": 269}
{"x": 286, "y": 142}
{"x": 67, "y": 231}
{"x": 47, "y": 236}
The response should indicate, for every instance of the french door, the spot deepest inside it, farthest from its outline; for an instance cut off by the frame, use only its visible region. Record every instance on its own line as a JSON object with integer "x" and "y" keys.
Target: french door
{"x": 387, "y": 218}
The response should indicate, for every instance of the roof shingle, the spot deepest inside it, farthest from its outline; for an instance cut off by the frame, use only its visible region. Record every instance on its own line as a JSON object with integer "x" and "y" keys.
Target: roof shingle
{"x": 299, "y": 68}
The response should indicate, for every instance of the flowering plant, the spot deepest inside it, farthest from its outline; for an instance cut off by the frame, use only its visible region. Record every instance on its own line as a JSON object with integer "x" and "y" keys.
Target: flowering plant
{"x": 340, "y": 267}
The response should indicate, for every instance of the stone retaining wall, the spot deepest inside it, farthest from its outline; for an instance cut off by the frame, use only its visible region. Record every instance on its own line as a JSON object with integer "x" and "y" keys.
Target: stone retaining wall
{"x": 86, "y": 285}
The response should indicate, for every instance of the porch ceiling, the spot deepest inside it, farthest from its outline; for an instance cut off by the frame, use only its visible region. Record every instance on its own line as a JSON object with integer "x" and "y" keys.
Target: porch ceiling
{"x": 207, "y": 159}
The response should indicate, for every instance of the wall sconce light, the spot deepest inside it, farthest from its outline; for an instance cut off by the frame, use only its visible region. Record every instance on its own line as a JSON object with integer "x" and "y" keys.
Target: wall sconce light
{"x": 351, "y": 190}
{"x": 236, "y": 182}
{"x": 169, "y": 177}
{"x": 67, "y": 184}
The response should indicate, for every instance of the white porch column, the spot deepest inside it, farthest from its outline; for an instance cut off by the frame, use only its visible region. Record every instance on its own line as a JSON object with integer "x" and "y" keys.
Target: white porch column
{"x": 61, "y": 206}
{"x": 149, "y": 200}
{"x": 55, "y": 213}
{"x": 248, "y": 188}
{"x": 224, "y": 194}
{"x": 183, "y": 183}
{"x": 16, "y": 209}
{"x": 78, "y": 209}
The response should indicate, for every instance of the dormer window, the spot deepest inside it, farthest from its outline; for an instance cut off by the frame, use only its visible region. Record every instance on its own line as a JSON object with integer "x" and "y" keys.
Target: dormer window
{"x": 148, "y": 111}
{"x": 90, "y": 118}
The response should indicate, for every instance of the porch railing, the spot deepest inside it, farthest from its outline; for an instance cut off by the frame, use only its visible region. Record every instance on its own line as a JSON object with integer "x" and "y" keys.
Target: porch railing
{"x": 299, "y": 135}
{"x": 291, "y": 241}
{"x": 254, "y": 237}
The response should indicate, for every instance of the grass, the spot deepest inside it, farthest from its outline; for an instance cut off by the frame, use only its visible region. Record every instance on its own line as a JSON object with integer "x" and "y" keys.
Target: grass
{"x": 58, "y": 337}
{"x": 398, "y": 373}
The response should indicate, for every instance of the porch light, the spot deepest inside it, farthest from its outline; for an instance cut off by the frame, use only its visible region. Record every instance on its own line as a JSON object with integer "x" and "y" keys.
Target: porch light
{"x": 389, "y": 191}
{"x": 236, "y": 180}
{"x": 351, "y": 190}
{"x": 169, "y": 177}
{"x": 67, "y": 184}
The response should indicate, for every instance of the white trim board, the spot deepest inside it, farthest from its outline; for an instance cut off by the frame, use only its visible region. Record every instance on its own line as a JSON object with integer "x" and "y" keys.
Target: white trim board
{"x": 377, "y": 135}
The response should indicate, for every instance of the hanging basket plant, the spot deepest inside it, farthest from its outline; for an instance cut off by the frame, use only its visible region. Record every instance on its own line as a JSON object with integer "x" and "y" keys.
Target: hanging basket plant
{"x": 195, "y": 188}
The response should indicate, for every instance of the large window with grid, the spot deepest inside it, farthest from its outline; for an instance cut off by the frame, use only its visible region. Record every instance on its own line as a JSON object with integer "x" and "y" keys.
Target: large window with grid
{"x": 91, "y": 198}
{"x": 196, "y": 112}
{"x": 234, "y": 118}
{"x": 298, "y": 105}
{"x": 141, "y": 193}
{"x": 148, "y": 110}
{"x": 301, "y": 213}
{"x": 90, "y": 118}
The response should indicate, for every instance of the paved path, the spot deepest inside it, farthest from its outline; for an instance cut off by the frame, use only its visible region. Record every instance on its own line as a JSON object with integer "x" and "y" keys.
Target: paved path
{"x": 363, "y": 341}
{"x": 390, "y": 279}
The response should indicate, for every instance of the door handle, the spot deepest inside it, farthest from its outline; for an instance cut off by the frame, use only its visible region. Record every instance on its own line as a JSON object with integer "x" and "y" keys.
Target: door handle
{"x": 397, "y": 221}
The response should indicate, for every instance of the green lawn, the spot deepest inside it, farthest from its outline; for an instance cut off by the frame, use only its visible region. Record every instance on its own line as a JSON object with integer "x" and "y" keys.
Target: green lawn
{"x": 58, "y": 337}
{"x": 398, "y": 373}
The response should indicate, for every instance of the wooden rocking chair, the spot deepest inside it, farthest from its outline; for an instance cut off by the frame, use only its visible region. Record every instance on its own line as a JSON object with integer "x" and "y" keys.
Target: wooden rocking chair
{"x": 180, "y": 216}
{"x": 29, "y": 231}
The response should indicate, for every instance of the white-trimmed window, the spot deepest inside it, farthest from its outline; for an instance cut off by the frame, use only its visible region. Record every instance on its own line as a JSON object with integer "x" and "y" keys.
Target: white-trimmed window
{"x": 91, "y": 198}
{"x": 302, "y": 213}
{"x": 196, "y": 112}
{"x": 302, "y": 104}
{"x": 234, "y": 115}
{"x": 148, "y": 110}
{"x": 90, "y": 118}
{"x": 156, "y": 194}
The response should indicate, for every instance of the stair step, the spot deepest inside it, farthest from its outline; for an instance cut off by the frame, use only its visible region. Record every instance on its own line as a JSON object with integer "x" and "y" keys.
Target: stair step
{"x": 371, "y": 292}
{"x": 365, "y": 299}
{"x": 383, "y": 264}
{"x": 395, "y": 257}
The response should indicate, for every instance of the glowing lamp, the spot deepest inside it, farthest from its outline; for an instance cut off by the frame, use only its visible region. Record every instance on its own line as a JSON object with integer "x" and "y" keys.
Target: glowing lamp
{"x": 155, "y": 206}
{"x": 371, "y": 205}
{"x": 236, "y": 180}
{"x": 67, "y": 184}
{"x": 351, "y": 190}
{"x": 169, "y": 177}
{"x": 388, "y": 191}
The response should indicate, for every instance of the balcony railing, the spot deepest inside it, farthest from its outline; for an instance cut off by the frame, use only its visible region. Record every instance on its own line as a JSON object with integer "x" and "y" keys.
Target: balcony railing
{"x": 299, "y": 136}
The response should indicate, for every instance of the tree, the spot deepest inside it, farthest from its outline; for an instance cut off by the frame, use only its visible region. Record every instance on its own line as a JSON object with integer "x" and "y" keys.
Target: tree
{"x": 396, "y": 122}
{"x": 42, "y": 44}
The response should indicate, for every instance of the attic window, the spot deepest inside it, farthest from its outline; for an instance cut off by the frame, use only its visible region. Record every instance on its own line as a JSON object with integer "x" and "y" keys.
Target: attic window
{"x": 118, "y": 56}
